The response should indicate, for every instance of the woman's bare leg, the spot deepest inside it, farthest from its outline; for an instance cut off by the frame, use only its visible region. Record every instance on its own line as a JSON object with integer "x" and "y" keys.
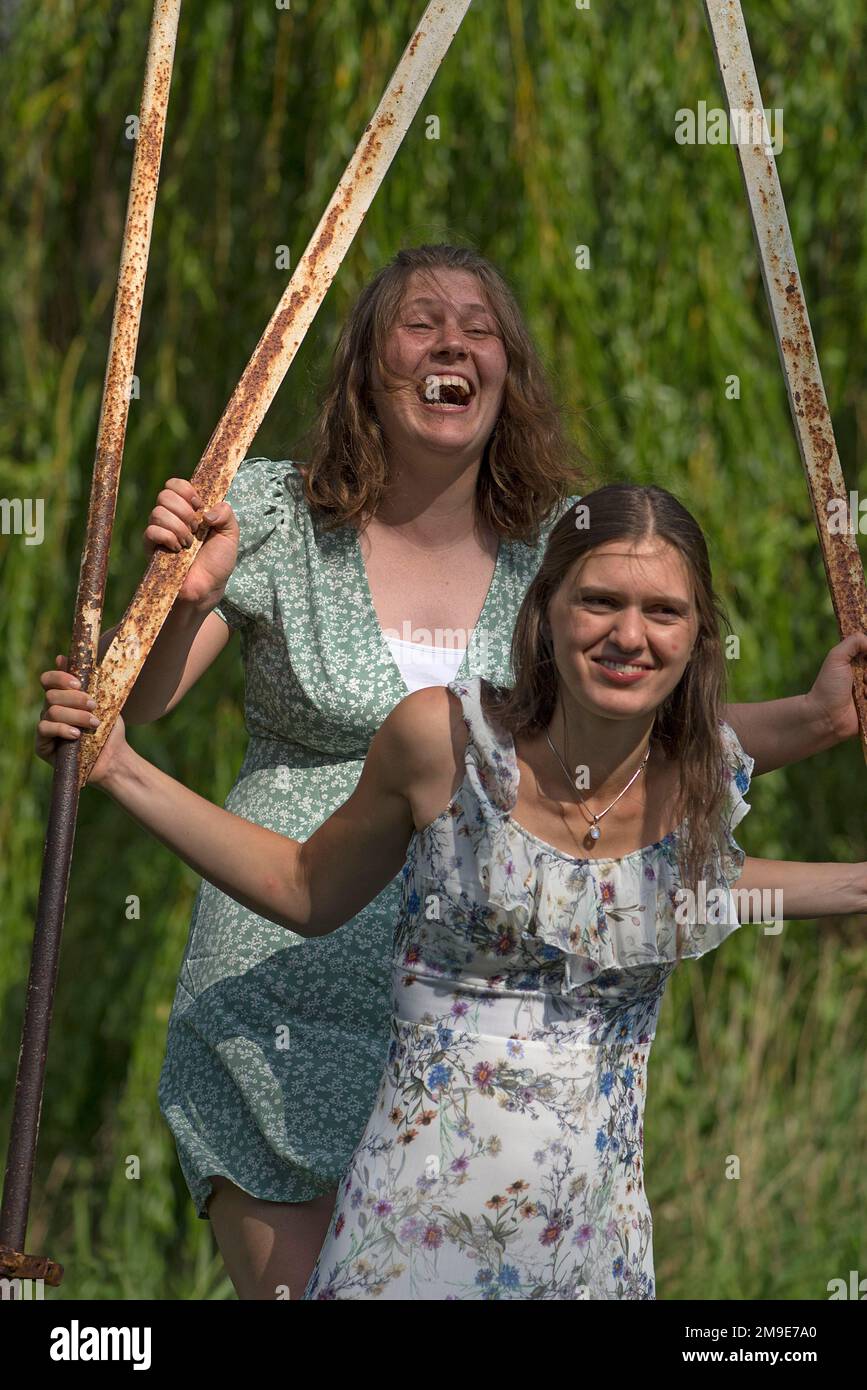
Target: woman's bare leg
{"x": 268, "y": 1247}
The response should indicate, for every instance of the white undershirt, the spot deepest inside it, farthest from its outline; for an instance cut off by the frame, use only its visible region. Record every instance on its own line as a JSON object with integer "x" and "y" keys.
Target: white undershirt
{"x": 421, "y": 665}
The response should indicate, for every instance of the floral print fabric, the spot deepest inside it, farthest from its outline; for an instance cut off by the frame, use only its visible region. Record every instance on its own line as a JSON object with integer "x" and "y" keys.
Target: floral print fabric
{"x": 504, "y": 1155}
{"x": 276, "y": 1043}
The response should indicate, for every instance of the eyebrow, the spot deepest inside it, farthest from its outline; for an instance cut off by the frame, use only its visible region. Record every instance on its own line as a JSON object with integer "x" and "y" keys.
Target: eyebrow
{"x": 603, "y": 591}
{"x": 436, "y": 303}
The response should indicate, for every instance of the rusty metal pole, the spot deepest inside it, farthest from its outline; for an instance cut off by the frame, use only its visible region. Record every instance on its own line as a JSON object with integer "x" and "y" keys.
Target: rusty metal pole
{"x": 57, "y": 851}
{"x": 794, "y": 337}
{"x": 153, "y": 599}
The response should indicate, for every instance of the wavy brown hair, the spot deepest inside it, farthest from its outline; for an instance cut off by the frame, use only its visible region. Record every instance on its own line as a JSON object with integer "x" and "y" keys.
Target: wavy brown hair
{"x": 527, "y": 466}
{"x": 687, "y": 722}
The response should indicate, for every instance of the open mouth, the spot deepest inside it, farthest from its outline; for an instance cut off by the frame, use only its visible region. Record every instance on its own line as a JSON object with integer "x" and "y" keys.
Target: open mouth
{"x": 446, "y": 392}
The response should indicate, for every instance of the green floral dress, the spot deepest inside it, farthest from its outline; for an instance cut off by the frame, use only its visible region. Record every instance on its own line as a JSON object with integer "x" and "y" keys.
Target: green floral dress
{"x": 276, "y": 1043}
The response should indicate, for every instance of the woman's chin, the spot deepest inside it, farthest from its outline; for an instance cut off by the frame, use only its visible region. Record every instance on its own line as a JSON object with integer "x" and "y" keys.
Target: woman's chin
{"x": 604, "y": 698}
{"x": 448, "y": 437}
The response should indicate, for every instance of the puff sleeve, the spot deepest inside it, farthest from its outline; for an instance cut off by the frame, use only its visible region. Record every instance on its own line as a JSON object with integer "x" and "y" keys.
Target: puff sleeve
{"x": 257, "y": 496}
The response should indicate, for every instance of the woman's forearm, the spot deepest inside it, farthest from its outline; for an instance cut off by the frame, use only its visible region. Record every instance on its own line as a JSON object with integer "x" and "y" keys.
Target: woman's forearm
{"x": 800, "y": 890}
{"x": 777, "y": 732}
{"x": 161, "y": 673}
{"x": 255, "y": 866}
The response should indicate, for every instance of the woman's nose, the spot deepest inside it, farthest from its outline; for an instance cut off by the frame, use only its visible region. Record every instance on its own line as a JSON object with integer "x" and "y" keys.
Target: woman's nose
{"x": 627, "y": 630}
{"x": 450, "y": 340}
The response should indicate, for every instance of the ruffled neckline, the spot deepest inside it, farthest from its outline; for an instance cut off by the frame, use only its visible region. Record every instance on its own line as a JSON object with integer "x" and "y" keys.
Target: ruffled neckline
{"x": 598, "y": 915}
{"x": 671, "y": 838}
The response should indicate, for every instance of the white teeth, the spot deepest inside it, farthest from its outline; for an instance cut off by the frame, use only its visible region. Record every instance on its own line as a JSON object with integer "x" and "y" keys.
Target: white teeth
{"x": 432, "y": 385}
{"x": 620, "y": 666}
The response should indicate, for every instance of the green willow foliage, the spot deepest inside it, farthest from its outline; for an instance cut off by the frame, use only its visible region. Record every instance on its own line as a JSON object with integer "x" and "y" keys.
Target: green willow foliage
{"x": 556, "y": 130}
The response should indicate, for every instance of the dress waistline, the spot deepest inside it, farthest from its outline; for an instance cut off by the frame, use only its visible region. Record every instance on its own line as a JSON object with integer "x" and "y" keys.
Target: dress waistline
{"x": 468, "y": 1008}
{"x": 266, "y": 751}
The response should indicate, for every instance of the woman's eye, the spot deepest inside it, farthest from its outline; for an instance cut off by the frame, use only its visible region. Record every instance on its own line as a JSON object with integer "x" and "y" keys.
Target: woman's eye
{"x": 598, "y": 599}
{"x": 481, "y": 332}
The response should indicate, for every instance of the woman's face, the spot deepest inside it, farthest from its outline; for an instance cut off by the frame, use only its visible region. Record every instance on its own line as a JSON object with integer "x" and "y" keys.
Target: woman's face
{"x": 443, "y": 331}
{"x": 623, "y": 624}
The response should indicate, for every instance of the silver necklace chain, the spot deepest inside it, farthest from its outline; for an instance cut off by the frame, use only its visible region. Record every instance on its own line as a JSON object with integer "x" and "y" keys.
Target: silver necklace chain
{"x": 594, "y": 832}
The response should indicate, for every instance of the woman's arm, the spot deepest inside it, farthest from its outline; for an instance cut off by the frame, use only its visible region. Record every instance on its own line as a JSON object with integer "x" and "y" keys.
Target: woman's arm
{"x": 776, "y": 732}
{"x": 799, "y": 890}
{"x": 310, "y": 887}
{"x": 190, "y": 639}
{"x": 193, "y": 635}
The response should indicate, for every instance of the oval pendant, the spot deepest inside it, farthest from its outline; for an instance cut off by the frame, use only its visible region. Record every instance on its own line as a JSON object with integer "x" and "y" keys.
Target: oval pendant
{"x": 594, "y": 832}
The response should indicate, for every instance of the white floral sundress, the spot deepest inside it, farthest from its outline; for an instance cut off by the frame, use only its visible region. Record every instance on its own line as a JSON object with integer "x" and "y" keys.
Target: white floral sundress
{"x": 504, "y": 1155}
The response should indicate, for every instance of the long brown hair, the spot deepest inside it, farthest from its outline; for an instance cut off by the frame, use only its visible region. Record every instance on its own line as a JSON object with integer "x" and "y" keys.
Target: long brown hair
{"x": 687, "y": 722}
{"x": 527, "y": 467}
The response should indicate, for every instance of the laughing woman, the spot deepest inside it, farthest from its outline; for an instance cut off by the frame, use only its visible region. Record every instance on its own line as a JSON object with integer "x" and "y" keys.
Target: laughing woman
{"x": 397, "y": 558}
{"x": 537, "y": 926}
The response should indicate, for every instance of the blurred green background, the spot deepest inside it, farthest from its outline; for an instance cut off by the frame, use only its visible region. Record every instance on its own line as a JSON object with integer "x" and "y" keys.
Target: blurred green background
{"x": 557, "y": 129}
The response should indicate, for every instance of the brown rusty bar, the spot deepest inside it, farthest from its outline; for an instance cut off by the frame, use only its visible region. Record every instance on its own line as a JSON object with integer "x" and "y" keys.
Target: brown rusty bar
{"x": 272, "y": 357}
{"x": 57, "y": 852}
{"x": 794, "y": 337}
{"x": 14, "y": 1265}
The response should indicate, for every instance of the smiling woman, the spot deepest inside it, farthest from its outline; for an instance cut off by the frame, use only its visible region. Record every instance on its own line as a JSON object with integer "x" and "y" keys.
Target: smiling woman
{"x": 434, "y": 315}
{"x": 609, "y": 632}
{"x": 441, "y": 379}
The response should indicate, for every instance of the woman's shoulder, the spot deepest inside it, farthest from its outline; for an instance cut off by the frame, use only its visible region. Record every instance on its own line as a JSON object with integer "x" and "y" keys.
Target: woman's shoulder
{"x": 738, "y": 761}
{"x": 566, "y": 505}
{"x": 739, "y": 766}
{"x": 259, "y": 479}
{"x": 267, "y": 496}
{"x": 423, "y": 732}
{"x": 430, "y": 721}
{"x": 425, "y": 718}
{"x": 535, "y": 550}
